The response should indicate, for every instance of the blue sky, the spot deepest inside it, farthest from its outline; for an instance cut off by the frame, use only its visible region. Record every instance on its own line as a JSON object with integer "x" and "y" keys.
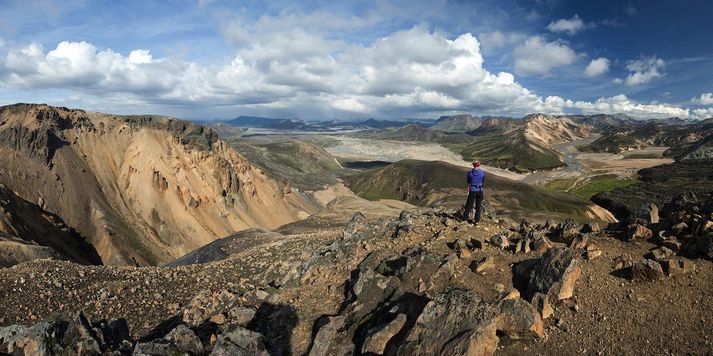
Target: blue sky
{"x": 205, "y": 59}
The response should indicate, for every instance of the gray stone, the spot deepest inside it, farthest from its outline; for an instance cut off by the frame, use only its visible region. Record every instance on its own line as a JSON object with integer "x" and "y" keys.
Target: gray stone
{"x": 69, "y": 333}
{"x": 457, "y": 322}
{"x": 679, "y": 228}
{"x": 542, "y": 304}
{"x": 377, "y": 341}
{"x": 484, "y": 265}
{"x": 638, "y": 232}
{"x": 653, "y": 214}
{"x": 677, "y": 266}
{"x": 705, "y": 245}
{"x": 555, "y": 274}
{"x": 240, "y": 342}
{"x": 500, "y": 241}
{"x": 646, "y": 270}
{"x": 324, "y": 341}
{"x": 566, "y": 231}
{"x": 590, "y": 227}
{"x": 661, "y": 253}
{"x": 240, "y": 315}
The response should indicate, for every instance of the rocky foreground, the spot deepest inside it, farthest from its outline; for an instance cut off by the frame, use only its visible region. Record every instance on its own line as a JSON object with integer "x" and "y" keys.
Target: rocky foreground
{"x": 423, "y": 283}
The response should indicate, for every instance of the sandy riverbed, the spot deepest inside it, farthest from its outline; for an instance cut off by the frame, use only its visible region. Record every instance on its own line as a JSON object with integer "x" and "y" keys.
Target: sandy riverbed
{"x": 361, "y": 149}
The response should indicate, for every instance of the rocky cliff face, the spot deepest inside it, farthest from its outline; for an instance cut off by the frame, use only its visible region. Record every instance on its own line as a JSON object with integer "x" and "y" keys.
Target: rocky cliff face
{"x": 140, "y": 189}
{"x": 28, "y": 232}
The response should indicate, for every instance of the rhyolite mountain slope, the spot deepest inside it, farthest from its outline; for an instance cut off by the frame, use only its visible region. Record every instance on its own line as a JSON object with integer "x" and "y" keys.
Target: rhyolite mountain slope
{"x": 301, "y": 164}
{"x": 139, "y": 189}
{"x": 27, "y": 232}
{"x": 457, "y": 123}
{"x": 523, "y": 145}
{"x": 681, "y": 138}
{"x": 416, "y": 132}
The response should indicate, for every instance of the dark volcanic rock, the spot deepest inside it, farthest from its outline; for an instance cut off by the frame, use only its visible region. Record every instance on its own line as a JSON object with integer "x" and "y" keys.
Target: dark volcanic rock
{"x": 453, "y": 323}
{"x": 240, "y": 342}
{"x": 66, "y": 334}
{"x": 180, "y": 340}
{"x": 659, "y": 186}
{"x": 566, "y": 231}
{"x": 646, "y": 270}
{"x": 553, "y": 274}
{"x": 638, "y": 232}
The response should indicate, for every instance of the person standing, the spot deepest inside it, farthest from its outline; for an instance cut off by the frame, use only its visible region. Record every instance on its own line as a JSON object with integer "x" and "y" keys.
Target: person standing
{"x": 475, "y": 179}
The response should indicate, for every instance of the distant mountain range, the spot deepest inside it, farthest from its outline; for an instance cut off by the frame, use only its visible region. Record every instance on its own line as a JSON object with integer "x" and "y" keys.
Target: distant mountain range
{"x": 301, "y": 125}
{"x": 459, "y": 123}
{"x": 519, "y": 144}
{"x": 689, "y": 141}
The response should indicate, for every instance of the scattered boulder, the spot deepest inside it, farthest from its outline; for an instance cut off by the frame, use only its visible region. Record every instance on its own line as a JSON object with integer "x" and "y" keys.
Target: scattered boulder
{"x": 679, "y": 228}
{"x": 638, "y": 232}
{"x": 646, "y": 270}
{"x": 240, "y": 342}
{"x": 677, "y": 266}
{"x": 592, "y": 254}
{"x": 376, "y": 342}
{"x": 566, "y": 231}
{"x": 462, "y": 249}
{"x": 674, "y": 245}
{"x": 541, "y": 245}
{"x": 483, "y": 265}
{"x": 500, "y": 241}
{"x": 180, "y": 340}
{"x": 542, "y": 304}
{"x": 454, "y": 323}
{"x": 660, "y": 253}
{"x": 457, "y": 322}
{"x": 653, "y": 214}
{"x": 324, "y": 341}
{"x": 518, "y": 318}
{"x": 554, "y": 274}
{"x": 62, "y": 333}
{"x": 590, "y": 227}
{"x": 579, "y": 242}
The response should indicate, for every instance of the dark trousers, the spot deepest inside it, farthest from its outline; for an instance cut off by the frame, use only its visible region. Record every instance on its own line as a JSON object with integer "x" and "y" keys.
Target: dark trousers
{"x": 477, "y": 198}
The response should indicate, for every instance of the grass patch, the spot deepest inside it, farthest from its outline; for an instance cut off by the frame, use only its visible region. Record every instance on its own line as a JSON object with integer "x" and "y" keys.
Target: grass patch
{"x": 561, "y": 184}
{"x": 601, "y": 184}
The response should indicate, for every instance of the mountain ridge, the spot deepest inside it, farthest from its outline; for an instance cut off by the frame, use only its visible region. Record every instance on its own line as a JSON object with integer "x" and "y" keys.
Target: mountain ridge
{"x": 152, "y": 187}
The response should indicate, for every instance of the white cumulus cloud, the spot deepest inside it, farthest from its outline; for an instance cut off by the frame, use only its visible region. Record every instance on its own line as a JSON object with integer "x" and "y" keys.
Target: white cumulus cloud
{"x": 704, "y": 99}
{"x": 412, "y": 72}
{"x": 570, "y": 26}
{"x": 619, "y": 104}
{"x": 643, "y": 71}
{"x": 496, "y": 39}
{"x": 703, "y": 113}
{"x": 537, "y": 56}
{"x": 597, "y": 67}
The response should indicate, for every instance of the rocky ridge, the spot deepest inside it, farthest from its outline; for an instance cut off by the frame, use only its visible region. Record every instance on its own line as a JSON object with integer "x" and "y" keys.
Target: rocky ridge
{"x": 421, "y": 283}
{"x": 152, "y": 188}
